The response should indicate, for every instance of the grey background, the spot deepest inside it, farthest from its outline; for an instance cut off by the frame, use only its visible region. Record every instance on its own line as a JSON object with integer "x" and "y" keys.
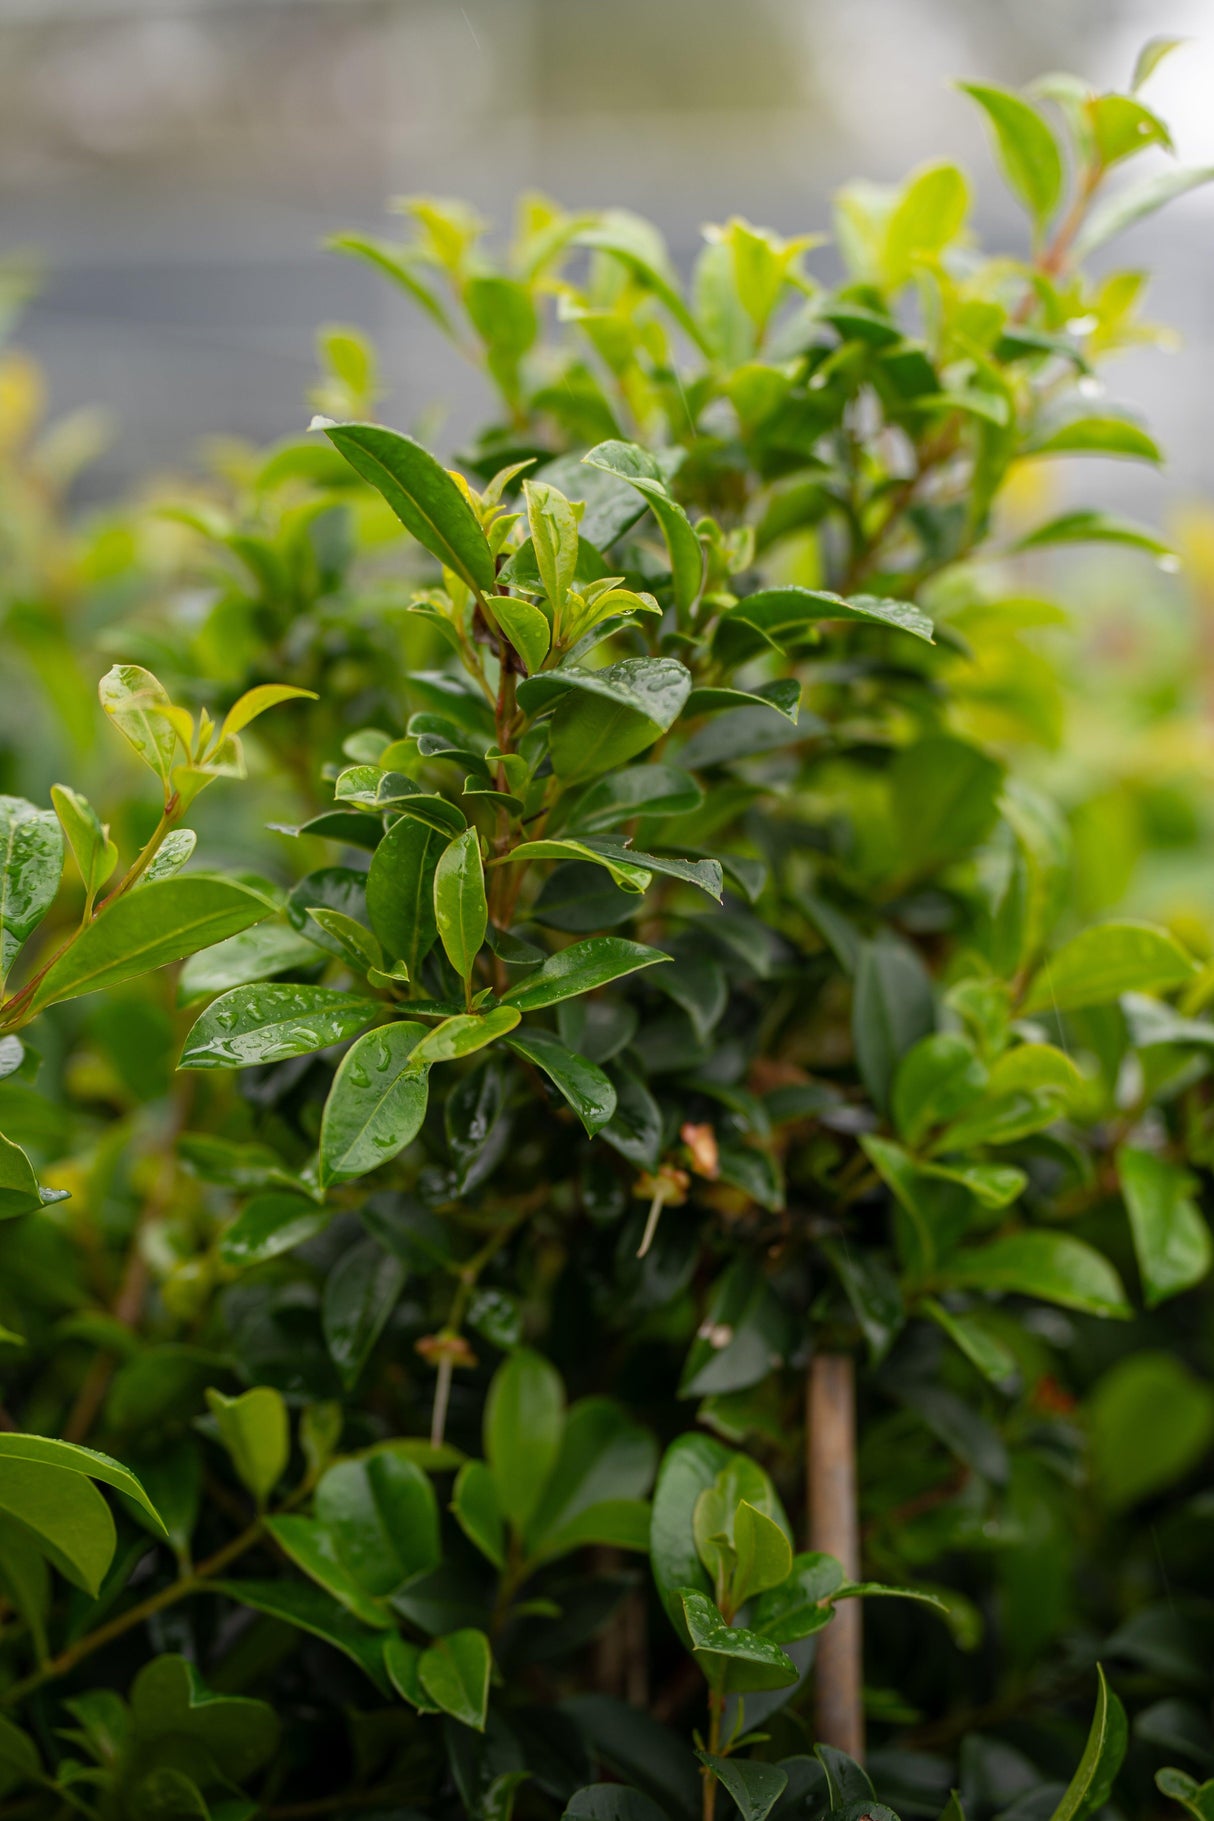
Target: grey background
{"x": 177, "y": 163}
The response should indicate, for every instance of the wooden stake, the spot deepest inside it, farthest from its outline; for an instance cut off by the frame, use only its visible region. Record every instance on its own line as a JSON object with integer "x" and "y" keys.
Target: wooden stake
{"x": 834, "y": 1529}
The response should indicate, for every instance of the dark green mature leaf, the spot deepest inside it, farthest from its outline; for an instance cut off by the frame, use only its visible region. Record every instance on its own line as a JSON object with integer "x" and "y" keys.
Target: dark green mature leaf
{"x": 312, "y": 1610}
{"x": 689, "y": 1467}
{"x": 477, "y": 1511}
{"x": 270, "y": 1022}
{"x": 636, "y": 466}
{"x": 581, "y": 968}
{"x": 944, "y": 795}
{"x": 732, "y": 1657}
{"x": 584, "y": 1085}
{"x": 892, "y": 1009}
{"x": 269, "y": 1225}
{"x": 1092, "y": 1784}
{"x": 376, "y": 1105}
{"x": 360, "y": 1294}
{"x": 612, "y": 1802}
{"x": 1103, "y": 962}
{"x": 382, "y": 1515}
{"x": 524, "y": 1424}
{"x": 75, "y": 1458}
{"x": 800, "y": 1604}
{"x": 1172, "y": 1241}
{"x": 256, "y": 954}
{"x": 1028, "y": 151}
{"x": 787, "y": 617}
{"x": 756, "y": 1787}
{"x": 454, "y": 1673}
{"x": 169, "y": 1700}
{"x": 400, "y": 891}
{"x": 423, "y": 496}
{"x": 65, "y": 1516}
{"x": 603, "y": 718}
{"x": 146, "y": 929}
{"x": 31, "y": 864}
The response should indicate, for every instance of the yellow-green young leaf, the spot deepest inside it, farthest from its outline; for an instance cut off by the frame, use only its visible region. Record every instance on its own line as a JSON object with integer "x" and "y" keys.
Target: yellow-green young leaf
{"x": 376, "y": 1105}
{"x": 928, "y": 216}
{"x": 454, "y": 1673}
{"x": 524, "y": 1423}
{"x": 254, "y": 1429}
{"x": 1172, "y": 1240}
{"x": 1103, "y": 962}
{"x": 1053, "y": 1267}
{"x": 135, "y": 701}
{"x": 94, "y": 853}
{"x": 1092, "y": 1784}
{"x": 66, "y": 1516}
{"x": 935, "y": 1081}
{"x": 638, "y": 468}
{"x": 460, "y": 907}
{"x": 31, "y": 864}
{"x": 424, "y": 497}
{"x": 255, "y": 701}
{"x": 1135, "y": 201}
{"x": 19, "y": 1190}
{"x": 143, "y": 930}
{"x": 763, "y": 1553}
{"x": 1027, "y": 149}
{"x": 461, "y": 1035}
{"x": 524, "y": 625}
{"x": 1121, "y": 127}
{"x": 553, "y": 521}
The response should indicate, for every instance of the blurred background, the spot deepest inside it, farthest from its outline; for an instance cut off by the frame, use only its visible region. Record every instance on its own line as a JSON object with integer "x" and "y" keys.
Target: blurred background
{"x": 176, "y": 164}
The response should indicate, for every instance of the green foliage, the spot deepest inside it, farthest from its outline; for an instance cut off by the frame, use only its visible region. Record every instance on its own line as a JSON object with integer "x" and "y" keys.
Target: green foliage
{"x": 676, "y": 956}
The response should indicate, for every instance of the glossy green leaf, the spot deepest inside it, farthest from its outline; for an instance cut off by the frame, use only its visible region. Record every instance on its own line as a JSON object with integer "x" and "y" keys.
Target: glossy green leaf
{"x": 310, "y": 1609}
{"x": 312, "y": 1546}
{"x": 792, "y": 616}
{"x": 464, "y": 1034}
{"x": 134, "y": 700}
{"x": 270, "y": 1225}
{"x": 425, "y": 499}
{"x": 603, "y": 718}
{"x": 937, "y": 1079}
{"x": 146, "y": 929}
{"x": 581, "y": 968}
{"x": 756, "y": 1787}
{"x": 400, "y": 891}
{"x": 268, "y": 1023}
{"x": 732, "y": 1657}
{"x": 689, "y": 1467}
{"x": 582, "y": 1084}
{"x": 259, "y": 953}
{"x": 75, "y": 1458}
{"x": 460, "y": 908}
{"x": 1092, "y": 1784}
{"x": 95, "y": 854}
{"x": 376, "y": 1105}
{"x": 63, "y": 1513}
{"x": 763, "y": 1552}
{"x": 31, "y": 864}
{"x": 800, "y": 1604}
{"x": 629, "y": 463}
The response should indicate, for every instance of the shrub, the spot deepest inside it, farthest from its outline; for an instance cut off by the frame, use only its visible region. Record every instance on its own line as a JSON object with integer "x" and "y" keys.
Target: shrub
{"x": 666, "y": 1104}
